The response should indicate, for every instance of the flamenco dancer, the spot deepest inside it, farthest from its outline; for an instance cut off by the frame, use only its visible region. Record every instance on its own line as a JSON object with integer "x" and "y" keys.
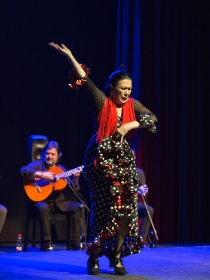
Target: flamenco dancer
{"x": 110, "y": 169}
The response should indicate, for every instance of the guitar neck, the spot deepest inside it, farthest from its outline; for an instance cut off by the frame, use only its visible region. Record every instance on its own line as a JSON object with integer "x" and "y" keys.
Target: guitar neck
{"x": 69, "y": 172}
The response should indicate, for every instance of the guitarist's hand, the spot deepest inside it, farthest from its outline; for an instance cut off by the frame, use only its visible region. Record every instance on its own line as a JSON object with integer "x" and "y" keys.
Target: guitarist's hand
{"x": 75, "y": 180}
{"x": 143, "y": 190}
{"x": 49, "y": 176}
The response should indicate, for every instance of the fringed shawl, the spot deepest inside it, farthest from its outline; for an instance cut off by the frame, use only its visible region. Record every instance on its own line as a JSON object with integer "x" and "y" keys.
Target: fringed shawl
{"x": 108, "y": 118}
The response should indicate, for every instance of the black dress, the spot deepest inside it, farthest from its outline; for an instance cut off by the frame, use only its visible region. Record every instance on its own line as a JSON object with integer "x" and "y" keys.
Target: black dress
{"x": 111, "y": 175}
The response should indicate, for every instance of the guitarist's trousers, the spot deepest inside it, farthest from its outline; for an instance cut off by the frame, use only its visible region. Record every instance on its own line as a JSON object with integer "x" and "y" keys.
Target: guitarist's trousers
{"x": 44, "y": 209}
{"x": 3, "y": 213}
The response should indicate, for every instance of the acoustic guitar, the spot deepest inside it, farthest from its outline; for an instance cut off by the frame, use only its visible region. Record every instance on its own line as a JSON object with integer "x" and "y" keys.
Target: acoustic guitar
{"x": 39, "y": 189}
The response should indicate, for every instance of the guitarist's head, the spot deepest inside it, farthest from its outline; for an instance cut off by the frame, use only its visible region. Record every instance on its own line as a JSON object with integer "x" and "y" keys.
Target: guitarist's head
{"x": 51, "y": 153}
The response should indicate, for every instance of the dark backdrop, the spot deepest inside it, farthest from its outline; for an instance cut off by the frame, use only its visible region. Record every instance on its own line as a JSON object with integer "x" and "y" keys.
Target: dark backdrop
{"x": 175, "y": 65}
{"x": 35, "y": 97}
{"x": 166, "y": 48}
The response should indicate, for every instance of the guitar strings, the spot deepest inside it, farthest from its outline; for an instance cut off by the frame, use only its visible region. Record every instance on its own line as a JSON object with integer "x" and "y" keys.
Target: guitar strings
{"x": 70, "y": 172}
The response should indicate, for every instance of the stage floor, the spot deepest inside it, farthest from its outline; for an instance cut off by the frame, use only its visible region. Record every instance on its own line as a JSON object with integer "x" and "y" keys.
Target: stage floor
{"x": 172, "y": 261}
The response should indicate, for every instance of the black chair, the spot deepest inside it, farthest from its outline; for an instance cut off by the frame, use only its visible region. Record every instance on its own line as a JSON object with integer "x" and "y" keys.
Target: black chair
{"x": 31, "y": 217}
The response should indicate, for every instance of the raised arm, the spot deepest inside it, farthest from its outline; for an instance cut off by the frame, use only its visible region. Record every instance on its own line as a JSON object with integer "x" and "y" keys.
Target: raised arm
{"x": 96, "y": 95}
{"x": 62, "y": 49}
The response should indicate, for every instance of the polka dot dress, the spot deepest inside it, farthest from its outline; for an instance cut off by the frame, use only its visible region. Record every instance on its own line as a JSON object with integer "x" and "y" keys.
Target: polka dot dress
{"x": 110, "y": 172}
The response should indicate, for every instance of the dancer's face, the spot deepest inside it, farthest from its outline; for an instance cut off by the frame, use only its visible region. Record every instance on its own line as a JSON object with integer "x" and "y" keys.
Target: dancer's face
{"x": 121, "y": 92}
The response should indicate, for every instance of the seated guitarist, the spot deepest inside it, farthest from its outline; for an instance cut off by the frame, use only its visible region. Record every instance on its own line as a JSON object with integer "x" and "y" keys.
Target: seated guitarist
{"x": 39, "y": 170}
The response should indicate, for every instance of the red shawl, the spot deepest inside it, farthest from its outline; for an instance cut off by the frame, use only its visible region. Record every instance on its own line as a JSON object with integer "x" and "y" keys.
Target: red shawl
{"x": 108, "y": 118}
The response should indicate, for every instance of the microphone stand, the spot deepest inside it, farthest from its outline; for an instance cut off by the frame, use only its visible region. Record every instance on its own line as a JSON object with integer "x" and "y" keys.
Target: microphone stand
{"x": 84, "y": 204}
{"x": 78, "y": 195}
{"x": 144, "y": 200}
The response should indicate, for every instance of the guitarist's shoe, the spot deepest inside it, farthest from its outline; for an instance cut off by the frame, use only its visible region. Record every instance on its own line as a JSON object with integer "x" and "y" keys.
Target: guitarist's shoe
{"x": 48, "y": 245}
{"x": 73, "y": 246}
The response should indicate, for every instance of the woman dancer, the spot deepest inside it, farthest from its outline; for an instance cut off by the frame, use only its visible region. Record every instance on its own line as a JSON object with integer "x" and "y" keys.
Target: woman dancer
{"x": 110, "y": 169}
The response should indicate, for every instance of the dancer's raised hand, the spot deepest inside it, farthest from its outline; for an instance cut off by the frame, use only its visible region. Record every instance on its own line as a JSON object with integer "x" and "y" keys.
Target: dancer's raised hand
{"x": 61, "y": 49}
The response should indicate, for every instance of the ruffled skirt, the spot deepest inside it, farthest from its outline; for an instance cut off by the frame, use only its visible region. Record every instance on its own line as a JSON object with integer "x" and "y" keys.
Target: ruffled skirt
{"x": 110, "y": 172}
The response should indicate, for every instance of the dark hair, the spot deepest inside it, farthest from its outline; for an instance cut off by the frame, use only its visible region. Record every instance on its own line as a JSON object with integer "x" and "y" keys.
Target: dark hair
{"x": 114, "y": 78}
{"x": 51, "y": 145}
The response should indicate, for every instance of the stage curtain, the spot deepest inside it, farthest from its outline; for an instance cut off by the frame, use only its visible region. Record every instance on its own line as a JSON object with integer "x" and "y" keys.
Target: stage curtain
{"x": 164, "y": 46}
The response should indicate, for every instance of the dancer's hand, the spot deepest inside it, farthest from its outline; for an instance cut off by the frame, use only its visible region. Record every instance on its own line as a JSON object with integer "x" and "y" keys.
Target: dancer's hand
{"x": 61, "y": 49}
{"x": 67, "y": 53}
{"x": 125, "y": 128}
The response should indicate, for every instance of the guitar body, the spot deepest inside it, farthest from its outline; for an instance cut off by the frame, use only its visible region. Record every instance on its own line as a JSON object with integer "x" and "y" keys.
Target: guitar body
{"x": 39, "y": 189}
